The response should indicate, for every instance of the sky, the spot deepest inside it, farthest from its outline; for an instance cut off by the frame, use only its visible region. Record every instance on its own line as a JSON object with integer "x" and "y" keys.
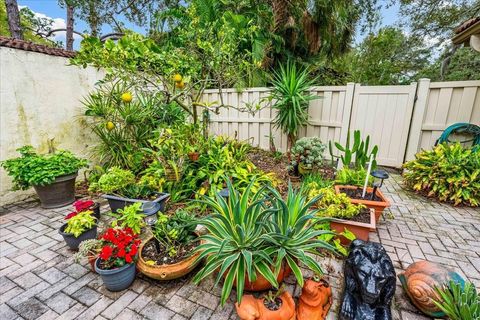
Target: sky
{"x": 50, "y": 8}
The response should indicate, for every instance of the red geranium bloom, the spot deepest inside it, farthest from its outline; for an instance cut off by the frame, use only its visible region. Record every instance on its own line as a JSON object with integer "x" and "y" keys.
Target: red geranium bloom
{"x": 128, "y": 258}
{"x": 82, "y": 205}
{"x": 70, "y": 215}
{"x": 106, "y": 253}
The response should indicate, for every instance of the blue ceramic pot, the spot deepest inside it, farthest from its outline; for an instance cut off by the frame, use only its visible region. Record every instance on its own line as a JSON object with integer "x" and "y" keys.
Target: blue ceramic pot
{"x": 117, "y": 279}
{"x": 73, "y": 242}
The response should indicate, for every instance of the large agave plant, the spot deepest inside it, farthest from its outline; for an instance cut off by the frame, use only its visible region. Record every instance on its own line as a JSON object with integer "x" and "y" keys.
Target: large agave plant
{"x": 234, "y": 245}
{"x": 291, "y": 232}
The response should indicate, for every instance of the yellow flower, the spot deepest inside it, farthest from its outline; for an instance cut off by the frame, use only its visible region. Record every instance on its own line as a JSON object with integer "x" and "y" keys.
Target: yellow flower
{"x": 127, "y": 97}
{"x": 177, "y": 77}
{"x": 110, "y": 126}
{"x": 180, "y": 84}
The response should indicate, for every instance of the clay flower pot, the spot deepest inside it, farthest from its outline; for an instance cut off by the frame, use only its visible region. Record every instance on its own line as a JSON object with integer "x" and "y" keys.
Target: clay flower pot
{"x": 252, "y": 308}
{"x": 315, "y": 301}
{"x": 91, "y": 261}
{"x": 359, "y": 229}
{"x": 378, "y": 206}
{"x": 261, "y": 284}
{"x": 166, "y": 271}
{"x": 59, "y": 193}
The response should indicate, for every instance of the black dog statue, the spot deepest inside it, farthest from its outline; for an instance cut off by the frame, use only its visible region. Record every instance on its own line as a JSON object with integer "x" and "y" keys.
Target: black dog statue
{"x": 369, "y": 283}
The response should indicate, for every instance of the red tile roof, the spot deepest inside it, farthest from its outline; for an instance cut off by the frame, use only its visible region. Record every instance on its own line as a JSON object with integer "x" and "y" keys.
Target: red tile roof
{"x": 34, "y": 47}
{"x": 467, "y": 24}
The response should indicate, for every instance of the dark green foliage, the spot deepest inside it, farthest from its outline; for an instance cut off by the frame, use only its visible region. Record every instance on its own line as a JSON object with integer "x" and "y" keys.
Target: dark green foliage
{"x": 33, "y": 169}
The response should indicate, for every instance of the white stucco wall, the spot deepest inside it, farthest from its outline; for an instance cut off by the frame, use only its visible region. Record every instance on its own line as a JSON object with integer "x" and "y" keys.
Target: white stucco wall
{"x": 40, "y": 99}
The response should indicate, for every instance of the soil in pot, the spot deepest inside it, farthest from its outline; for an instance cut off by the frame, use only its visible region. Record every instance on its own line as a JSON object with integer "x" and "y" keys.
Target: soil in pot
{"x": 149, "y": 252}
{"x": 363, "y": 216}
{"x": 273, "y": 305}
{"x": 357, "y": 194}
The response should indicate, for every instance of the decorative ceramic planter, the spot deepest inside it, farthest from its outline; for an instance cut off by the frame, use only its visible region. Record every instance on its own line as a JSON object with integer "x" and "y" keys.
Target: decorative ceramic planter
{"x": 73, "y": 242}
{"x": 315, "y": 301}
{"x": 378, "y": 206}
{"x": 167, "y": 271}
{"x": 117, "y": 279}
{"x": 253, "y": 308}
{"x": 59, "y": 193}
{"x": 116, "y": 203}
{"x": 262, "y": 284}
{"x": 359, "y": 229}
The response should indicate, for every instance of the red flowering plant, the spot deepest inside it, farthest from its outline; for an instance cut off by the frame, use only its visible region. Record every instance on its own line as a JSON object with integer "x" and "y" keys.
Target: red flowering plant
{"x": 80, "y": 206}
{"x": 119, "y": 247}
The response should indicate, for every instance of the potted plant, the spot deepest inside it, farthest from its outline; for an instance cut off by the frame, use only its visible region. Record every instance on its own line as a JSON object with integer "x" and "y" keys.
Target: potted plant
{"x": 83, "y": 205}
{"x": 256, "y": 239}
{"x": 80, "y": 226}
{"x": 168, "y": 254}
{"x": 351, "y": 182}
{"x": 88, "y": 249}
{"x": 307, "y": 155}
{"x": 52, "y": 175}
{"x": 277, "y": 305}
{"x": 116, "y": 261}
{"x": 358, "y": 219}
{"x": 131, "y": 216}
{"x": 120, "y": 188}
{"x": 193, "y": 154}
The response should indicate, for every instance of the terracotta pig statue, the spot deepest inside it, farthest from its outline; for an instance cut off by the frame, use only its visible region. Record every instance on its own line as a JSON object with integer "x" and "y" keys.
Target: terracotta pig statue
{"x": 315, "y": 301}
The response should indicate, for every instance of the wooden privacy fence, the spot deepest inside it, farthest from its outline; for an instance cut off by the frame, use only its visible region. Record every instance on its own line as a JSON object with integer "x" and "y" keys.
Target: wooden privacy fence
{"x": 399, "y": 119}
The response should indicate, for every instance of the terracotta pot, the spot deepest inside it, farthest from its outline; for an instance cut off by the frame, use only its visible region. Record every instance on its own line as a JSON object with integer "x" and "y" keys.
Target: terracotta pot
{"x": 315, "y": 301}
{"x": 378, "y": 206}
{"x": 193, "y": 156}
{"x": 252, "y": 308}
{"x": 419, "y": 281}
{"x": 261, "y": 284}
{"x": 359, "y": 229}
{"x": 166, "y": 271}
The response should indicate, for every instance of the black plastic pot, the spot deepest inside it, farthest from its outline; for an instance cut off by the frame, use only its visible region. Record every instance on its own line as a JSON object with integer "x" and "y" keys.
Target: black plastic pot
{"x": 116, "y": 279}
{"x": 59, "y": 193}
{"x": 116, "y": 202}
{"x": 96, "y": 210}
{"x": 73, "y": 242}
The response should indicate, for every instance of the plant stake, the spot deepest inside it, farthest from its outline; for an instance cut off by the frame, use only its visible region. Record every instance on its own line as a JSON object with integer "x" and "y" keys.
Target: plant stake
{"x": 368, "y": 175}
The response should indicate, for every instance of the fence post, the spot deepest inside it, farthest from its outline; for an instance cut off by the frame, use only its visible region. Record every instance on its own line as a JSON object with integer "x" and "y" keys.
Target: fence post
{"x": 347, "y": 111}
{"x": 419, "y": 108}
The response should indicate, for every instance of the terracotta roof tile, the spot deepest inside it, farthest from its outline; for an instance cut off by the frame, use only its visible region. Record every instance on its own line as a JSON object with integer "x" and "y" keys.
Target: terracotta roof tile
{"x": 467, "y": 24}
{"x": 34, "y": 47}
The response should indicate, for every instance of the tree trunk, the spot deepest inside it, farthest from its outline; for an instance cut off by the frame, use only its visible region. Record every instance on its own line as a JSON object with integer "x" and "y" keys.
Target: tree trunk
{"x": 13, "y": 17}
{"x": 69, "y": 27}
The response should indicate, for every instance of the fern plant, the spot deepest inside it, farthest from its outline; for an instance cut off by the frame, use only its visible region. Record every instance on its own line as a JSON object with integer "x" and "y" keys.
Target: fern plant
{"x": 459, "y": 302}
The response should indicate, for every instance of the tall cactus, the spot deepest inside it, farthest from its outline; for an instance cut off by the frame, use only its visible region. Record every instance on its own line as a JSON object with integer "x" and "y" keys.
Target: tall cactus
{"x": 359, "y": 151}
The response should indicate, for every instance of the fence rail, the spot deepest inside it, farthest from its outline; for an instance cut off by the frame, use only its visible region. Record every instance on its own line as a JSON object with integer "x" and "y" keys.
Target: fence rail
{"x": 401, "y": 120}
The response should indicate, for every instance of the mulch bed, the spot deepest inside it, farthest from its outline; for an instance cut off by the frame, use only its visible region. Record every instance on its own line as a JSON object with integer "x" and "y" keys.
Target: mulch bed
{"x": 357, "y": 194}
{"x": 149, "y": 252}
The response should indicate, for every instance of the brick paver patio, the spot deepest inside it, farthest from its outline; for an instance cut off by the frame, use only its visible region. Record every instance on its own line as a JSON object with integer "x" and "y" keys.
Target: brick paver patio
{"x": 39, "y": 280}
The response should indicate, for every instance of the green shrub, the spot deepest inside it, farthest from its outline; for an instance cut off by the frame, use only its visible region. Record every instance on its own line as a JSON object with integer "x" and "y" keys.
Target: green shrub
{"x": 32, "y": 169}
{"x": 317, "y": 180}
{"x": 352, "y": 177}
{"x": 308, "y": 151}
{"x": 333, "y": 204}
{"x": 122, "y": 183}
{"x": 448, "y": 172}
{"x": 80, "y": 223}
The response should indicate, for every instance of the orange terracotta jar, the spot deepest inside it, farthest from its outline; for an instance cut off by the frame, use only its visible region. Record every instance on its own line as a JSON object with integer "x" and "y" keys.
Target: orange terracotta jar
{"x": 261, "y": 284}
{"x": 252, "y": 308}
{"x": 315, "y": 301}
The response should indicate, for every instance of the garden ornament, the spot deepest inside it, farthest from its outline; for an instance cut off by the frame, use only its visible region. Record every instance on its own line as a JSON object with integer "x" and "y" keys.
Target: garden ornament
{"x": 379, "y": 174}
{"x": 369, "y": 283}
{"x": 419, "y": 281}
{"x": 252, "y": 308}
{"x": 315, "y": 301}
